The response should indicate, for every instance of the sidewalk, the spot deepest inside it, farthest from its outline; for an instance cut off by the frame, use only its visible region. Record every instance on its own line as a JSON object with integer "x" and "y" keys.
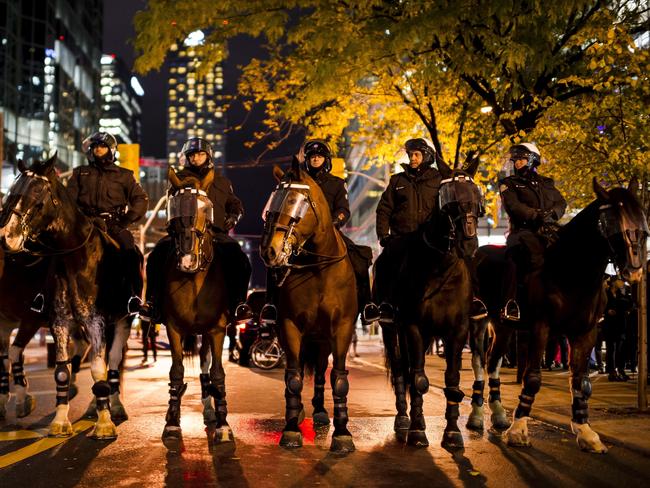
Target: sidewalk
{"x": 612, "y": 406}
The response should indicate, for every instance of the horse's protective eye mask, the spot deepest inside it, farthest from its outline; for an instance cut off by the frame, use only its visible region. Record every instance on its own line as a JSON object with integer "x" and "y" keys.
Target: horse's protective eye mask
{"x": 289, "y": 199}
{"x": 190, "y": 208}
{"x": 30, "y": 189}
{"x": 459, "y": 197}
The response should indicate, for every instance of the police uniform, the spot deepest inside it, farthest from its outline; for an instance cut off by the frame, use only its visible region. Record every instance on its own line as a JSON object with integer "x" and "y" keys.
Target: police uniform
{"x": 530, "y": 201}
{"x": 336, "y": 195}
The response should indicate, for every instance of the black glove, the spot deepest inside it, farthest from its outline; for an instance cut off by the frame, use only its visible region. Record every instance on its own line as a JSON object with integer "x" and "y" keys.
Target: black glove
{"x": 231, "y": 222}
{"x": 383, "y": 241}
{"x": 545, "y": 216}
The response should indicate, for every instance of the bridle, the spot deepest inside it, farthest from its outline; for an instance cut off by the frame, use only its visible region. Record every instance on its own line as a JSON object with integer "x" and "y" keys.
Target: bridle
{"x": 610, "y": 227}
{"x": 293, "y": 244}
{"x": 27, "y": 216}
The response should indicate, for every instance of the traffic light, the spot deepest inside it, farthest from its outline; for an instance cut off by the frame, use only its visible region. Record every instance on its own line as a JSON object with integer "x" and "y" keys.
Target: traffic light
{"x": 130, "y": 158}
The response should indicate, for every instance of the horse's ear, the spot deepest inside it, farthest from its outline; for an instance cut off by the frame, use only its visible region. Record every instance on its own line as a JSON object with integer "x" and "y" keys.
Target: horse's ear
{"x": 600, "y": 192}
{"x": 278, "y": 174}
{"x": 471, "y": 163}
{"x": 48, "y": 165}
{"x": 295, "y": 166}
{"x": 207, "y": 180}
{"x": 173, "y": 178}
{"x": 444, "y": 168}
{"x": 21, "y": 166}
{"x": 633, "y": 185}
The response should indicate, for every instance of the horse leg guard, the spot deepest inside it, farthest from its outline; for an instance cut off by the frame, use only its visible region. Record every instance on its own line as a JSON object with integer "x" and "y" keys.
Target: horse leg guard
{"x": 402, "y": 421}
{"x": 342, "y": 438}
{"x": 173, "y": 417}
{"x": 60, "y": 425}
{"x": 475, "y": 419}
{"x": 587, "y": 439}
{"x": 4, "y": 386}
{"x": 532, "y": 385}
{"x": 104, "y": 428}
{"x": 209, "y": 414}
{"x": 118, "y": 412}
{"x": 499, "y": 418}
{"x": 416, "y": 435}
{"x": 291, "y": 435}
{"x": 223, "y": 432}
{"x": 451, "y": 437}
{"x": 318, "y": 402}
{"x": 25, "y": 403}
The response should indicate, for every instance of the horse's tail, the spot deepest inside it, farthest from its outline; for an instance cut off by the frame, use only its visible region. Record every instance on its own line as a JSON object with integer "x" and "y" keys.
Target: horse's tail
{"x": 312, "y": 353}
{"x": 396, "y": 359}
{"x": 189, "y": 346}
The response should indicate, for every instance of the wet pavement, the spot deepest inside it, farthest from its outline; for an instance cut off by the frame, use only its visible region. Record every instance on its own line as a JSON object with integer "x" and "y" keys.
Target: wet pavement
{"x": 256, "y": 405}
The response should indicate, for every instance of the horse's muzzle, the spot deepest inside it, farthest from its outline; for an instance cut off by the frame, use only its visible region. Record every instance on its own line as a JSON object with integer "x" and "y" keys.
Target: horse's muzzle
{"x": 189, "y": 263}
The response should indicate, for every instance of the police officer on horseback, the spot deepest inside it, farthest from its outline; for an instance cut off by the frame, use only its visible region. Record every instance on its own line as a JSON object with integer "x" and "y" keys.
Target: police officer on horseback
{"x": 104, "y": 190}
{"x": 534, "y": 206}
{"x": 227, "y": 211}
{"x": 318, "y": 164}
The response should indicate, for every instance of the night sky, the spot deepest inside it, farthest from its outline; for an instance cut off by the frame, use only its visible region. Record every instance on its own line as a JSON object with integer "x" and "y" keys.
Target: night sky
{"x": 252, "y": 185}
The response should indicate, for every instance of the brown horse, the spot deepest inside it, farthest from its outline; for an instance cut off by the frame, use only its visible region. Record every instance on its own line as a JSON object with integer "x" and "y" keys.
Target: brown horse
{"x": 195, "y": 301}
{"x": 567, "y": 297}
{"x": 317, "y": 299}
{"x": 40, "y": 218}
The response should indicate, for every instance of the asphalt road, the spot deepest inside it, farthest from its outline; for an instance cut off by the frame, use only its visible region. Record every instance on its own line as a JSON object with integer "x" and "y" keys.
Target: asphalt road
{"x": 256, "y": 405}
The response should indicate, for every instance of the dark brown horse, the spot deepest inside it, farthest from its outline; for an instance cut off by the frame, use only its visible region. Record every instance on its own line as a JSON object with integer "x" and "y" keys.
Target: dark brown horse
{"x": 40, "y": 218}
{"x": 195, "y": 301}
{"x": 317, "y": 299}
{"x": 432, "y": 296}
{"x": 567, "y": 296}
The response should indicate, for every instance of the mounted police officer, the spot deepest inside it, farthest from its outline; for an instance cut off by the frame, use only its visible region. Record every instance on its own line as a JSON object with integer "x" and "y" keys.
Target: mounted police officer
{"x": 103, "y": 189}
{"x": 227, "y": 211}
{"x": 318, "y": 164}
{"x": 534, "y": 206}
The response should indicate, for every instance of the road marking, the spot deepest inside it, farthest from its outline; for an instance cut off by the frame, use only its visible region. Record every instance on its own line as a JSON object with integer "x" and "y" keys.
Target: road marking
{"x": 17, "y": 435}
{"x": 43, "y": 444}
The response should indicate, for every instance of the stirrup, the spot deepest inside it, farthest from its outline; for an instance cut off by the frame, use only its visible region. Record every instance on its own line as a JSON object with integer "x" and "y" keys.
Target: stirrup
{"x": 38, "y": 304}
{"x": 478, "y": 309}
{"x": 134, "y": 305}
{"x": 511, "y": 311}
{"x": 243, "y": 313}
{"x": 370, "y": 313}
{"x": 386, "y": 314}
{"x": 269, "y": 315}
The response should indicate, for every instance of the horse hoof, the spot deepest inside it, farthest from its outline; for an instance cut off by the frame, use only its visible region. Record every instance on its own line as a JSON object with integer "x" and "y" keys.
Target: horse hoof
{"x": 417, "y": 438}
{"x": 475, "y": 423}
{"x": 321, "y": 419}
{"x": 291, "y": 439}
{"x": 60, "y": 429}
{"x": 104, "y": 432}
{"x": 452, "y": 440}
{"x": 402, "y": 422}
{"x": 500, "y": 422}
{"x": 25, "y": 408}
{"x": 517, "y": 439}
{"x": 587, "y": 439}
{"x": 342, "y": 444}
{"x": 118, "y": 412}
{"x": 223, "y": 435}
{"x": 73, "y": 391}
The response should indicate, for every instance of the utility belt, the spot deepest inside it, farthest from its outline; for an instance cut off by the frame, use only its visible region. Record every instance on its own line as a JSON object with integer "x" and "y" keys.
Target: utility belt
{"x": 108, "y": 216}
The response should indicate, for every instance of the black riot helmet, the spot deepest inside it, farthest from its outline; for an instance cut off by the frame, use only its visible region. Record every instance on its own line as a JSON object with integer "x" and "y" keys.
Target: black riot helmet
{"x": 419, "y": 144}
{"x": 97, "y": 139}
{"x": 320, "y": 148}
{"x": 194, "y": 145}
{"x": 527, "y": 151}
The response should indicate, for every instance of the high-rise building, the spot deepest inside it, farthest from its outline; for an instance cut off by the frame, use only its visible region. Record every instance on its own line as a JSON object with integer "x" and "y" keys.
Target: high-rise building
{"x": 195, "y": 108}
{"x": 50, "y": 54}
{"x": 121, "y": 101}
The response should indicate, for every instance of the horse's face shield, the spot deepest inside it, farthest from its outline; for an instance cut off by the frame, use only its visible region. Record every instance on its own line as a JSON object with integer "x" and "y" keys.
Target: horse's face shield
{"x": 460, "y": 199}
{"x": 626, "y": 238}
{"x": 189, "y": 215}
{"x": 23, "y": 214}
{"x": 284, "y": 210}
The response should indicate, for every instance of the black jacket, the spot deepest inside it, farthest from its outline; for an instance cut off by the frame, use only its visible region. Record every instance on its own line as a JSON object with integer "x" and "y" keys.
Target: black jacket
{"x": 336, "y": 195}
{"x": 408, "y": 201}
{"x": 108, "y": 190}
{"x": 523, "y": 197}
{"x": 223, "y": 199}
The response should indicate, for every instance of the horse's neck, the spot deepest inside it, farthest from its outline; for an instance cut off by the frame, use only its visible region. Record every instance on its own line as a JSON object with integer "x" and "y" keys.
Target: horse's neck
{"x": 581, "y": 254}
{"x": 70, "y": 227}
